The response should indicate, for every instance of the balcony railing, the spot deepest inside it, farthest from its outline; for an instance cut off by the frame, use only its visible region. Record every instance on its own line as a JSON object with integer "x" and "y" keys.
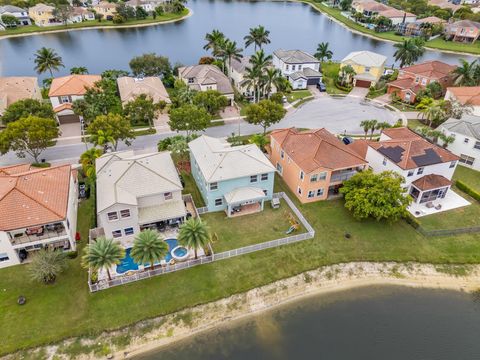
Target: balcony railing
{"x": 342, "y": 176}
{"x": 23, "y": 238}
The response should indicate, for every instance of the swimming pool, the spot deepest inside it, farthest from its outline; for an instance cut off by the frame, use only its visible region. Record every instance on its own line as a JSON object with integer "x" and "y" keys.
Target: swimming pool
{"x": 127, "y": 263}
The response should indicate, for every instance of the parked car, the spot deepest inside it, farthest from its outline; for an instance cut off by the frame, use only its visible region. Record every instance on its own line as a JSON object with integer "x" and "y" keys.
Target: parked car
{"x": 321, "y": 87}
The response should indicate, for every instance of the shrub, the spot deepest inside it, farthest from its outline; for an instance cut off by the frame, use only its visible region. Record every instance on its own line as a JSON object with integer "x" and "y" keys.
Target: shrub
{"x": 468, "y": 190}
{"x": 72, "y": 254}
{"x": 410, "y": 219}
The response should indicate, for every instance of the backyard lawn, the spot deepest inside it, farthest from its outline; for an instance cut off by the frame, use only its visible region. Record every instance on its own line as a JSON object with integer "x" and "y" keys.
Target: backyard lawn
{"x": 67, "y": 309}
{"x": 414, "y": 123}
{"x": 245, "y": 230}
{"x": 192, "y": 189}
{"x": 330, "y": 72}
{"x": 468, "y": 176}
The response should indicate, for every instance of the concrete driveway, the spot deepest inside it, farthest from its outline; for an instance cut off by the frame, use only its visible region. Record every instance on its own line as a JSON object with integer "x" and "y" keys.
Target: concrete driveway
{"x": 338, "y": 115}
{"x": 359, "y": 92}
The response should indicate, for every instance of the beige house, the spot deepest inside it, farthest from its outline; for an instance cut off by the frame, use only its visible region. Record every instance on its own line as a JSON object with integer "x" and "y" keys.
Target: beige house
{"x": 206, "y": 77}
{"x": 130, "y": 88}
{"x": 13, "y": 89}
{"x": 107, "y": 9}
{"x": 368, "y": 66}
{"x": 43, "y": 15}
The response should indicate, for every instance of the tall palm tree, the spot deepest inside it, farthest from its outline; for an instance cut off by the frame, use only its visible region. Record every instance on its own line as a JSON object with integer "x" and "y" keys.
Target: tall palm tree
{"x": 231, "y": 52}
{"x": 408, "y": 51}
{"x": 366, "y": 125}
{"x": 373, "y": 126}
{"x": 431, "y": 110}
{"x": 103, "y": 253}
{"x": 382, "y": 125}
{"x": 323, "y": 52}
{"x": 257, "y": 36}
{"x": 346, "y": 74}
{"x": 148, "y": 247}
{"x": 465, "y": 74}
{"x": 271, "y": 78}
{"x": 252, "y": 79}
{"x": 79, "y": 70}
{"x": 47, "y": 59}
{"x": 194, "y": 234}
{"x": 214, "y": 40}
{"x": 87, "y": 160}
{"x": 259, "y": 63}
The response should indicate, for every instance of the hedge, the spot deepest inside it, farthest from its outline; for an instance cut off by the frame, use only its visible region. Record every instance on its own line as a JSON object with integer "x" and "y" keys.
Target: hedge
{"x": 468, "y": 190}
{"x": 410, "y": 219}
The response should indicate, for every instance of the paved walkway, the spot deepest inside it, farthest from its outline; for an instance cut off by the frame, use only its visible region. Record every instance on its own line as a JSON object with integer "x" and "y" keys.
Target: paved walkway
{"x": 359, "y": 92}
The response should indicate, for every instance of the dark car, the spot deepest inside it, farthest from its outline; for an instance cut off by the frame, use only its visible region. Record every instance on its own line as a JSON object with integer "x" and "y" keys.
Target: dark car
{"x": 321, "y": 86}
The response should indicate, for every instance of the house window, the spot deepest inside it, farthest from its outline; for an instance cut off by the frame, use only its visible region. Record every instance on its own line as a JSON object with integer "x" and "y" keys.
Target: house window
{"x": 424, "y": 81}
{"x": 367, "y": 69}
{"x": 299, "y": 67}
{"x": 112, "y": 216}
{"x": 477, "y": 145}
{"x": 311, "y": 194}
{"x": 168, "y": 196}
{"x": 314, "y": 178}
{"x": 213, "y": 186}
{"x": 299, "y": 190}
{"x": 117, "y": 233}
{"x": 417, "y": 79}
{"x": 286, "y": 67}
{"x": 282, "y": 154}
{"x": 218, "y": 202}
{"x": 128, "y": 231}
{"x": 466, "y": 140}
{"x": 320, "y": 192}
{"x": 4, "y": 257}
{"x": 64, "y": 99}
{"x": 293, "y": 67}
{"x": 302, "y": 175}
{"x": 253, "y": 178}
{"x": 279, "y": 168}
{"x": 125, "y": 213}
{"x": 191, "y": 80}
{"x": 452, "y": 164}
{"x": 322, "y": 175}
{"x": 264, "y": 177}
{"x": 411, "y": 172}
{"x": 420, "y": 171}
{"x": 467, "y": 160}
{"x": 384, "y": 162}
{"x": 265, "y": 192}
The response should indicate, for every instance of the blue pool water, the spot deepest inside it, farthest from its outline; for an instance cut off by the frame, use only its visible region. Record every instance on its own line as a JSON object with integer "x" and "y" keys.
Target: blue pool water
{"x": 127, "y": 263}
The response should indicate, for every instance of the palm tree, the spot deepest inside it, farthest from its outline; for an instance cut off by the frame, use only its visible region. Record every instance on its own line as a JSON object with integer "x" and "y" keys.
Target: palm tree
{"x": 446, "y": 140}
{"x": 252, "y": 79}
{"x": 373, "y": 126}
{"x": 257, "y": 36}
{"x": 103, "y": 138}
{"x": 47, "y": 59}
{"x": 465, "y": 73}
{"x": 431, "y": 110}
{"x": 323, "y": 52}
{"x": 408, "y": 51}
{"x": 366, "y": 125}
{"x": 148, "y": 247}
{"x": 194, "y": 234}
{"x": 255, "y": 74}
{"x": 231, "y": 52}
{"x": 260, "y": 140}
{"x": 382, "y": 125}
{"x": 346, "y": 74}
{"x": 46, "y": 265}
{"x": 214, "y": 41}
{"x": 271, "y": 78}
{"x": 103, "y": 253}
{"x": 79, "y": 70}
{"x": 87, "y": 160}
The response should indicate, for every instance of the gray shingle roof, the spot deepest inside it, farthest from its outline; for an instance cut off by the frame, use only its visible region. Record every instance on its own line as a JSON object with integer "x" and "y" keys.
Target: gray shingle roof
{"x": 468, "y": 125}
{"x": 207, "y": 74}
{"x": 295, "y": 56}
{"x": 11, "y": 9}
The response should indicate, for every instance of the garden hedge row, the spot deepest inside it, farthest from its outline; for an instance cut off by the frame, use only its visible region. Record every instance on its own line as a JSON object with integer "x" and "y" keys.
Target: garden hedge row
{"x": 468, "y": 190}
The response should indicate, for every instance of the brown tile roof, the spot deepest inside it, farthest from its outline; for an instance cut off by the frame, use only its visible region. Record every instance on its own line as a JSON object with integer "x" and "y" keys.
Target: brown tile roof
{"x": 466, "y": 94}
{"x": 13, "y": 89}
{"x": 431, "y": 20}
{"x": 34, "y": 196}
{"x": 409, "y": 150}
{"x": 72, "y": 85}
{"x": 431, "y": 69}
{"x": 430, "y": 182}
{"x": 360, "y": 146}
{"x": 395, "y": 13}
{"x": 313, "y": 149}
{"x": 405, "y": 84}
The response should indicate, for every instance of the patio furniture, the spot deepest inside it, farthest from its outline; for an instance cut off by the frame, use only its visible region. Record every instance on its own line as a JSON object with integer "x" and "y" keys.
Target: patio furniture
{"x": 275, "y": 203}
{"x": 429, "y": 205}
{"x": 438, "y": 207}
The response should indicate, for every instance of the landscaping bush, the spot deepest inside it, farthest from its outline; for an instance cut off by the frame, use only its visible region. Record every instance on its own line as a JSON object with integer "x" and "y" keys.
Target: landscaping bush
{"x": 411, "y": 220}
{"x": 344, "y": 88}
{"x": 468, "y": 190}
{"x": 72, "y": 254}
{"x": 41, "y": 165}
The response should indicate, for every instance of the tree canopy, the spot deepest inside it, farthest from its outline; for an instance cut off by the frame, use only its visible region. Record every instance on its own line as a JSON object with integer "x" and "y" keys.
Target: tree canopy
{"x": 189, "y": 118}
{"x": 24, "y": 108}
{"x": 109, "y": 130}
{"x": 150, "y": 65}
{"x": 211, "y": 100}
{"x": 142, "y": 110}
{"x": 265, "y": 113}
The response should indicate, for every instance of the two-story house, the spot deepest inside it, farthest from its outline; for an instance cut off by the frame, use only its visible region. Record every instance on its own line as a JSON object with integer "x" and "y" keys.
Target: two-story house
{"x": 148, "y": 6}
{"x": 427, "y": 168}
{"x": 130, "y": 88}
{"x": 313, "y": 163}
{"x": 368, "y": 66}
{"x": 21, "y": 14}
{"x": 465, "y": 95}
{"x": 65, "y": 90}
{"x": 135, "y": 192}
{"x": 38, "y": 208}
{"x": 466, "y": 133}
{"x": 236, "y": 179}
{"x": 13, "y": 89}
{"x": 80, "y": 14}
{"x": 412, "y": 79}
{"x": 206, "y": 77}
{"x": 463, "y": 31}
{"x": 43, "y": 15}
{"x": 106, "y": 9}
{"x": 299, "y": 67}
{"x": 372, "y": 9}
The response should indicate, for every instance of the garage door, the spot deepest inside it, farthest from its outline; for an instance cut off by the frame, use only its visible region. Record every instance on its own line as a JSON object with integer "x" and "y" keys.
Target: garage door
{"x": 363, "y": 83}
{"x": 313, "y": 81}
{"x": 68, "y": 119}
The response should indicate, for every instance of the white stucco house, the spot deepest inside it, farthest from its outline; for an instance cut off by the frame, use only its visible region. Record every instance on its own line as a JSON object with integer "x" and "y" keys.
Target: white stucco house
{"x": 466, "y": 145}
{"x": 21, "y": 14}
{"x": 38, "y": 208}
{"x": 299, "y": 67}
{"x": 136, "y": 192}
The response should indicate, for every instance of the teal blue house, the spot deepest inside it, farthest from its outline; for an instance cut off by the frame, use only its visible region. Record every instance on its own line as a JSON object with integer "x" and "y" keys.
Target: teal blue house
{"x": 234, "y": 179}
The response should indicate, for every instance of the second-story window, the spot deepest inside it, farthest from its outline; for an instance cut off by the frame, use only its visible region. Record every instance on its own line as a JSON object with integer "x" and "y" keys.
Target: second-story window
{"x": 191, "y": 80}
{"x": 302, "y": 175}
{"x": 466, "y": 140}
{"x": 314, "y": 178}
{"x": 384, "y": 162}
{"x": 282, "y": 154}
{"x": 64, "y": 99}
{"x": 411, "y": 172}
{"x": 253, "y": 178}
{"x": 214, "y": 186}
{"x": 264, "y": 177}
{"x": 168, "y": 196}
{"x": 112, "y": 216}
{"x": 322, "y": 175}
{"x": 125, "y": 213}
{"x": 420, "y": 171}
{"x": 477, "y": 145}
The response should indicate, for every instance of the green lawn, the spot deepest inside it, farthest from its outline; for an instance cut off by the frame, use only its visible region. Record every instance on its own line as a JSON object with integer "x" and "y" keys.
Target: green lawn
{"x": 67, "y": 309}
{"x": 330, "y": 72}
{"x": 414, "y": 123}
{"x": 88, "y": 24}
{"x": 251, "y": 229}
{"x": 192, "y": 189}
{"x": 297, "y": 95}
{"x": 468, "y": 176}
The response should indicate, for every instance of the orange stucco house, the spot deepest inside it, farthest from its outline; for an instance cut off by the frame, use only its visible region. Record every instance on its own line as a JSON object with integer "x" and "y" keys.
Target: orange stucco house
{"x": 314, "y": 163}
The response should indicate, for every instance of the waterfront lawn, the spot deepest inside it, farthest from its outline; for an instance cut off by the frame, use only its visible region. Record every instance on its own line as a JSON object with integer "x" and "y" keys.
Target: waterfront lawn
{"x": 298, "y": 95}
{"x": 330, "y": 72}
{"x": 270, "y": 224}
{"x": 67, "y": 309}
{"x": 468, "y": 176}
{"x": 192, "y": 189}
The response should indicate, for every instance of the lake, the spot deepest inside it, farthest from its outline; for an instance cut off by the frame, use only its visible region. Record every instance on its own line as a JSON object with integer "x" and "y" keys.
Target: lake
{"x": 374, "y": 323}
{"x": 292, "y": 26}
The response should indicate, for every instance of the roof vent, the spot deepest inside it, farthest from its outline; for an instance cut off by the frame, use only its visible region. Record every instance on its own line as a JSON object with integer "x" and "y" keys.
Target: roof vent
{"x": 138, "y": 79}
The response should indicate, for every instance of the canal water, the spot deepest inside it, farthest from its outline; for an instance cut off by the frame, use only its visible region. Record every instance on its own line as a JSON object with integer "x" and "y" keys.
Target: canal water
{"x": 371, "y": 323}
{"x": 292, "y": 26}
